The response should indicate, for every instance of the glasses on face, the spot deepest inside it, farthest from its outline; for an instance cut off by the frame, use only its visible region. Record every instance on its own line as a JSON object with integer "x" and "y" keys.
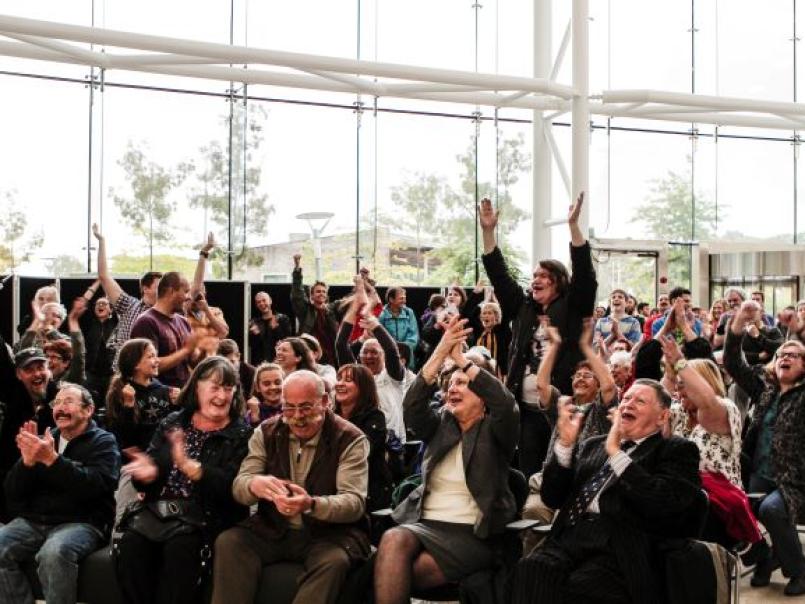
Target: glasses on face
{"x": 303, "y": 409}
{"x": 583, "y": 375}
{"x": 97, "y": 304}
{"x": 788, "y": 355}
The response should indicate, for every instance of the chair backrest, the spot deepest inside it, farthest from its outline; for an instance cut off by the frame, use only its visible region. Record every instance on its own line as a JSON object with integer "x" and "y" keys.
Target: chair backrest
{"x": 518, "y": 485}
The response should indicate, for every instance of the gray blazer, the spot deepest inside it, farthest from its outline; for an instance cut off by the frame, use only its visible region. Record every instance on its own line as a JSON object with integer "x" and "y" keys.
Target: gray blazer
{"x": 487, "y": 449}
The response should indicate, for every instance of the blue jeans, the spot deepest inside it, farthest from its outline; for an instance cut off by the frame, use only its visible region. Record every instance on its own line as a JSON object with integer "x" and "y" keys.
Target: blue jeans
{"x": 57, "y": 549}
{"x": 782, "y": 529}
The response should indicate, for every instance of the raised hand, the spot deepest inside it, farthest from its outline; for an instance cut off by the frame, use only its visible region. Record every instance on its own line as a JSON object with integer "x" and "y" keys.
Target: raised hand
{"x": 671, "y": 350}
{"x": 178, "y": 447}
{"x": 297, "y": 260}
{"x": 141, "y": 467}
{"x": 96, "y": 230}
{"x": 568, "y": 424}
{"x": 575, "y": 210}
{"x": 613, "y": 444}
{"x": 128, "y": 394}
{"x": 487, "y": 215}
{"x": 210, "y": 243}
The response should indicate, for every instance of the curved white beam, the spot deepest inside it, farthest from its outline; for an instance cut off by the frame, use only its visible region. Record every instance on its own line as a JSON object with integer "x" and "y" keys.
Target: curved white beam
{"x": 295, "y": 80}
{"x": 225, "y": 53}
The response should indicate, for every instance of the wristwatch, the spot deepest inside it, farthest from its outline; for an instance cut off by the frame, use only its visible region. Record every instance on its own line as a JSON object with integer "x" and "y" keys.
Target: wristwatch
{"x": 680, "y": 365}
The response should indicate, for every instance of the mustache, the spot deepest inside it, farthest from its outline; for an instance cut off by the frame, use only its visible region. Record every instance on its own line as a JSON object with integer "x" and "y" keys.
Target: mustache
{"x": 302, "y": 422}
{"x": 62, "y": 415}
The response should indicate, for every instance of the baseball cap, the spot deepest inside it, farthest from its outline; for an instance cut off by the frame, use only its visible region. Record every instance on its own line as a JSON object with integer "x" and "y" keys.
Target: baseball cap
{"x": 26, "y": 356}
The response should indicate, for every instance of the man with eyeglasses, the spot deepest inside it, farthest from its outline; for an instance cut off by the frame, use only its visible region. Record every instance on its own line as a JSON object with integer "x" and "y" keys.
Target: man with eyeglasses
{"x": 307, "y": 471}
{"x": 61, "y": 494}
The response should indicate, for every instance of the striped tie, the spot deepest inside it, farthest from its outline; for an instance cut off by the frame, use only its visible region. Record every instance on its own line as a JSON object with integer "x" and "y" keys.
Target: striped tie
{"x": 592, "y": 487}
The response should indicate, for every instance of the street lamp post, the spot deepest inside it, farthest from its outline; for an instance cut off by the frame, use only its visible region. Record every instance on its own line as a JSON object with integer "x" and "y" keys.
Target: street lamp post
{"x": 311, "y": 218}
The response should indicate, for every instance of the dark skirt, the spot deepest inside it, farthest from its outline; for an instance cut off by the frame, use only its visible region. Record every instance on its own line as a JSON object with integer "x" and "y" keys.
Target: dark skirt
{"x": 454, "y": 547}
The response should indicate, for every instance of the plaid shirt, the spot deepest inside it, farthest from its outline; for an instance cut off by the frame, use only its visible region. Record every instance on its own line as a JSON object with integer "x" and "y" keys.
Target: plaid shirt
{"x": 128, "y": 308}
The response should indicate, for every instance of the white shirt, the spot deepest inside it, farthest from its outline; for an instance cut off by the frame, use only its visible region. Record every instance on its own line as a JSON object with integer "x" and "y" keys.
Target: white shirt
{"x": 63, "y": 442}
{"x": 390, "y": 396}
{"x": 618, "y": 462}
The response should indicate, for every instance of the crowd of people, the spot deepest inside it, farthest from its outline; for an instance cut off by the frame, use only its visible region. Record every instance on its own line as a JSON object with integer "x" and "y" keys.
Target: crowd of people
{"x": 138, "y": 422}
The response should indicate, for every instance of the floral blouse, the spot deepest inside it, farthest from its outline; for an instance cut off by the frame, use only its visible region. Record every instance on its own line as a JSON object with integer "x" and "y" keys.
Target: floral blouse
{"x": 717, "y": 452}
{"x": 179, "y": 486}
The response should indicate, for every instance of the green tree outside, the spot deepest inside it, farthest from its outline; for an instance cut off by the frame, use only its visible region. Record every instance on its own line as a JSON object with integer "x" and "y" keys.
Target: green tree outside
{"x": 18, "y": 246}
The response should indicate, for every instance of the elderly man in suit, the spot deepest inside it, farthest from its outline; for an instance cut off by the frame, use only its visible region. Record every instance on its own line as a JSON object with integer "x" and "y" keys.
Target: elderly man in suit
{"x": 618, "y": 495}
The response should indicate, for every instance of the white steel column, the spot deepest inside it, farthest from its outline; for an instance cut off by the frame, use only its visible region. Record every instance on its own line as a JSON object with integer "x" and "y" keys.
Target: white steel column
{"x": 581, "y": 107}
{"x": 541, "y": 168}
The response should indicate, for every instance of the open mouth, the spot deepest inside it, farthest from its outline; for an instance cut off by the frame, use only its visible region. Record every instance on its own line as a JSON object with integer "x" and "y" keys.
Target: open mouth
{"x": 63, "y": 416}
{"x": 628, "y": 416}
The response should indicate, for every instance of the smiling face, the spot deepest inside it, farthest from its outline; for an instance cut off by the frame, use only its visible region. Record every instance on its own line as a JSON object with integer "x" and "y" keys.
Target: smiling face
{"x": 789, "y": 366}
{"x": 35, "y": 377}
{"x": 302, "y": 406}
{"x": 148, "y": 366}
{"x": 103, "y": 310}
{"x": 318, "y": 295}
{"x": 286, "y": 357}
{"x": 53, "y": 316}
{"x": 642, "y": 413}
{"x": 346, "y": 389}
{"x": 663, "y": 302}
{"x": 453, "y": 297}
{"x": 466, "y": 406}
{"x": 269, "y": 385}
{"x": 617, "y": 301}
{"x": 372, "y": 356}
{"x": 543, "y": 286}
{"x": 180, "y": 296}
{"x": 70, "y": 413}
{"x": 214, "y": 401}
{"x": 621, "y": 373}
{"x": 717, "y": 310}
{"x": 734, "y": 300}
{"x": 263, "y": 302}
{"x": 585, "y": 384}
{"x": 56, "y": 364}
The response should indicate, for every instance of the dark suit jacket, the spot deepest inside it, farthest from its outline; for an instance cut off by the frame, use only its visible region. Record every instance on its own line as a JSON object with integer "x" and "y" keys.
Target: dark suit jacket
{"x": 487, "y": 449}
{"x": 653, "y": 499}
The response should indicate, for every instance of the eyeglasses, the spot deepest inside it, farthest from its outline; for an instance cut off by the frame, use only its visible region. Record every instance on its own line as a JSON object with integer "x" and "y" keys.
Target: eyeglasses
{"x": 584, "y": 375}
{"x": 788, "y": 355}
{"x": 303, "y": 409}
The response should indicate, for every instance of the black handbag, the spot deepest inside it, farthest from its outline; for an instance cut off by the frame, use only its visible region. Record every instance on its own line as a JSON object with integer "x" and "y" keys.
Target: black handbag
{"x": 163, "y": 519}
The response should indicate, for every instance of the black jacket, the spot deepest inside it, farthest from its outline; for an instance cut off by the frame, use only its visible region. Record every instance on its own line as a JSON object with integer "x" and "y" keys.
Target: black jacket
{"x": 261, "y": 345}
{"x": 787, "y": 460}
{"x": 16, "y": 408}
{"x": 487, "y": 448}
{"x": 220, "y": 459}
{"x": 152, "y": 406}
{"x": 78, "y": 487}
{"x": 650, "y": 501}
{"x": 372, "y": 423}
{"x": 566, "y": 314}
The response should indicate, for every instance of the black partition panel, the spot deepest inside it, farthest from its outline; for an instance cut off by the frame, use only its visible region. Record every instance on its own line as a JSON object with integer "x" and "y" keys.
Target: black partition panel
{"x": 7, "y": 286}
{"x": 229, "y": 296}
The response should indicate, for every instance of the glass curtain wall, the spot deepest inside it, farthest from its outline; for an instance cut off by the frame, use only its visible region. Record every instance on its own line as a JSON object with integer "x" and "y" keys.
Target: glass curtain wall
{"x": 160, "y": 161}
